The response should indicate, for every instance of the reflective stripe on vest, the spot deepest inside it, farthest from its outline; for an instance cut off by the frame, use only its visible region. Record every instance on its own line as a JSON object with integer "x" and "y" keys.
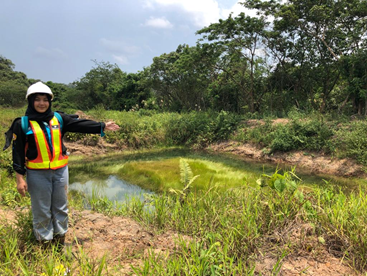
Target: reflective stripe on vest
{"x": 45, "y": 160}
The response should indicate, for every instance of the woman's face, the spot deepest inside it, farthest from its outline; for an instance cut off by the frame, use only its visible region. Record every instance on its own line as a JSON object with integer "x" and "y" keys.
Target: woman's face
{"x": 41, "y": 103}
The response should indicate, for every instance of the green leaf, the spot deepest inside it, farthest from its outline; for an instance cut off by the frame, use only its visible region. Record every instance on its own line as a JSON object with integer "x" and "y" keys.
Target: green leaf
{"x": 280, "y": 185}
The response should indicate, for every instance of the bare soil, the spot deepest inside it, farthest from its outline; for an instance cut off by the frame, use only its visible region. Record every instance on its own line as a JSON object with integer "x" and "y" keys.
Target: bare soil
{"x": 313, "y": 162}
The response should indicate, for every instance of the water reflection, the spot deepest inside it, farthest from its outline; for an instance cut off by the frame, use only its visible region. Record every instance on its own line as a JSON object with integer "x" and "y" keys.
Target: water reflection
{"x": 113, "y": 188}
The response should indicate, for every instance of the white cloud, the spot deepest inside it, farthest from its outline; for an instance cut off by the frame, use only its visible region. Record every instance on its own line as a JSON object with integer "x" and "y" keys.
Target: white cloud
{"x": 54, "y": 53}
{"x": 161, "y": 23}
{"x": 119, "y": 46}
{"x": 200, "y": 12}
{"x": 147, "y": 4}
{"x": 121, "y": 59}
{"x": 236, "y": 9}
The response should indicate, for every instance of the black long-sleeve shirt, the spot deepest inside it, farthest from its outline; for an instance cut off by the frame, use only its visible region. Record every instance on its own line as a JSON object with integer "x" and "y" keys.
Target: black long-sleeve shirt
{"x": 20, "y": 139}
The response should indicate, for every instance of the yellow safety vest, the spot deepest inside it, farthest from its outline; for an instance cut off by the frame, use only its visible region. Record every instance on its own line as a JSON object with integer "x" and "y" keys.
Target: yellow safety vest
{"x": 45, "y": 160}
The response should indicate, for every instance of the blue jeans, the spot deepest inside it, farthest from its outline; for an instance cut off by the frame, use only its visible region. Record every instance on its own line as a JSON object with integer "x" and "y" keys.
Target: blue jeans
{"x": 48, "y": 190}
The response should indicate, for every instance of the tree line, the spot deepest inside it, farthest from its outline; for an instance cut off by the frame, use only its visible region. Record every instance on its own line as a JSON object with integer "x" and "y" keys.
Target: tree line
{"x": 292, "y": 54}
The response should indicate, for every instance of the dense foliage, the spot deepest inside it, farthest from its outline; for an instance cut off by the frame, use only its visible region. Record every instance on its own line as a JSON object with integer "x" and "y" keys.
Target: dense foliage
{"x": 293, "y": 54}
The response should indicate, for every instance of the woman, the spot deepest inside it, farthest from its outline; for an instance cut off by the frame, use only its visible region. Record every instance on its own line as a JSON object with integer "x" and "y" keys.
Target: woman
{"x": 38, "y": 153}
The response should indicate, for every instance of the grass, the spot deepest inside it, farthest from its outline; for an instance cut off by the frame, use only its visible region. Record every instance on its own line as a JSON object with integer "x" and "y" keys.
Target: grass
{"x": 229, "y": 228}
{"x": 232, "y": 220}
{"x": 313, "y": 132}
{"x": 232, "y": 227}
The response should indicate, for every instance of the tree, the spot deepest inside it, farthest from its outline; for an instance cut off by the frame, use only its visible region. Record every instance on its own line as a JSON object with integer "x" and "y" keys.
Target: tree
{"x": 239, "y": 41}
{"x": 13, "y": 84}
{"x": 65, "y": 95}
{"x": 93, "y": 87}
{"x": 131, "y": 91}
{"x": 106, "y": 84}
{"x": 180, "y": 78}
{"x": 316, "y": 36}
{"x": 354, "y": 70}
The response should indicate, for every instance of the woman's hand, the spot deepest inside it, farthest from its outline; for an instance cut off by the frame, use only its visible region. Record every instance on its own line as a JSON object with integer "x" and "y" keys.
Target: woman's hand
{"x": 21, "y": 184}
{"x": 111, "y": 126}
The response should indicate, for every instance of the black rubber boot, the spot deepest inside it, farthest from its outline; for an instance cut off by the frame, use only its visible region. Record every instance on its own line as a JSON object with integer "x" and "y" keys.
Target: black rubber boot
{"x": 59, "y": 242}
{"x": 45, "y": 244}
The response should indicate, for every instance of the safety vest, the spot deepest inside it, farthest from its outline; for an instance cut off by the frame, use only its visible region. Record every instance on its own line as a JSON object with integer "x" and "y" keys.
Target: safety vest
{"x": 45, "y": 159}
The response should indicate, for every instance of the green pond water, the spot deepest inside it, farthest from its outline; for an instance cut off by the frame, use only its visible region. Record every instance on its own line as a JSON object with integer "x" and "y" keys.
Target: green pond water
{"x": 115, "y": 188}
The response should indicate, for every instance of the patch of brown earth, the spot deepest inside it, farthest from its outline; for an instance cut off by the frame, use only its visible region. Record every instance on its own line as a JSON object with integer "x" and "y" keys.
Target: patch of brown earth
{"x": 253, "y": 122}
{"x": 123, "y": 241}
{"x": 82, "y": 115}
{"x": 90, "y": 147}
{"x": 314, "y": 162}
{"x": 305, "y": 253}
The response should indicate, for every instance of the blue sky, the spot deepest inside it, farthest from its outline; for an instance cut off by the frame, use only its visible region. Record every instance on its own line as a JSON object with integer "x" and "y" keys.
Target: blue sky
{"x": 57, "y": 40}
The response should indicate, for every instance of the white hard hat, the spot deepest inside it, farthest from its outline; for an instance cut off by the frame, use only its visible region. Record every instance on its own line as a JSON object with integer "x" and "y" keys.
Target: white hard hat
{"x": 39, "y": 87}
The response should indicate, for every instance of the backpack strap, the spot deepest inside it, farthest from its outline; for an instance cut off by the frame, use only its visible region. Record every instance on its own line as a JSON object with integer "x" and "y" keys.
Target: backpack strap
{"x": 25, "y": 122}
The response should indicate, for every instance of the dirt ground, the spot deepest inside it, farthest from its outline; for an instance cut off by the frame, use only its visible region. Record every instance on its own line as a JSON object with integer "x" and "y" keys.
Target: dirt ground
{"x": 312, "y": 162}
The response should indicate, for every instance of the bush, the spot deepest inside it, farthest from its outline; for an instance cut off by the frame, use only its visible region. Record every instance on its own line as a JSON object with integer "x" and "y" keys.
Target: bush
{"x": 299, "y": 134}
{"x": 351, "y": 141}
{"x": 302, "y": 135}
{"x": 201, "y": 128}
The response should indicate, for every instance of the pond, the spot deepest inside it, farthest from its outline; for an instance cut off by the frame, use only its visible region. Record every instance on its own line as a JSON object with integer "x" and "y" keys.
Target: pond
{"x": 121, "y": 177}
{"x": 113, "y": 188}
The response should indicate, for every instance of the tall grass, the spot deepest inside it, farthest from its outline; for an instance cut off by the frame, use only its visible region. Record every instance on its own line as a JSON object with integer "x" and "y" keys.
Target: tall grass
{"x": 223, "y": 231}
{"x": 231, "y": 228}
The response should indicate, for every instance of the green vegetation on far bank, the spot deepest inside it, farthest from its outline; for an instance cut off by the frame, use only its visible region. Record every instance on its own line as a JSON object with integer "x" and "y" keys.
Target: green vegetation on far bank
{"x": 338, "y": 137}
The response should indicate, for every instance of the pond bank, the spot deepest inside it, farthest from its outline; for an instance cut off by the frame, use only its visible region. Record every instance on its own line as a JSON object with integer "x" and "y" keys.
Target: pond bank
{"x": 316, "y": 163}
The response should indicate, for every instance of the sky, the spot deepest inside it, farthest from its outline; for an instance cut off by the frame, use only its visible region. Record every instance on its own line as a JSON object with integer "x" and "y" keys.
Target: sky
{"x": 58, "y": 40}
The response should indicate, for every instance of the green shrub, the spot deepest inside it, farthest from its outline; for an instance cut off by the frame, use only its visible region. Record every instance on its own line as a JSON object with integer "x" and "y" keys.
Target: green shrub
{"x": 351, "y": 141}
{"x": 300, "y": 134}
{"x": 201, "y": 128}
